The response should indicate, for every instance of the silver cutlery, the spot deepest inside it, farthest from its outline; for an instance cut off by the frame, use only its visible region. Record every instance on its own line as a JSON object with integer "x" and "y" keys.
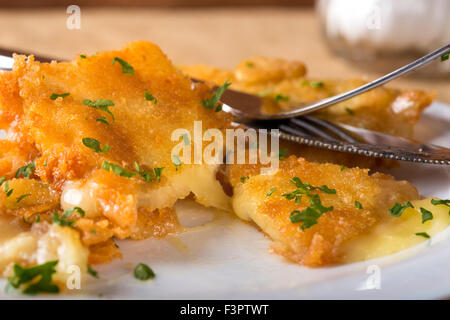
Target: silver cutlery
{"x": 246, "y": 109}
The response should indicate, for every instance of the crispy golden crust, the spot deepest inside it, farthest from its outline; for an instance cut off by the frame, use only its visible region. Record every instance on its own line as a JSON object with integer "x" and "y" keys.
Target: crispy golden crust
{"x": 319, "y": 245}
{"x": 50, "y": 132}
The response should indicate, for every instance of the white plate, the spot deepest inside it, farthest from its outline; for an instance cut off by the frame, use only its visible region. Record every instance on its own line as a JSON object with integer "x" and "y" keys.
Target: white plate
{"x": 227, "y": 259}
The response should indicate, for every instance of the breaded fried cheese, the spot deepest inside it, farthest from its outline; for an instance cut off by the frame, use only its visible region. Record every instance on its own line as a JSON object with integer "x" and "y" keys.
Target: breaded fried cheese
{"x": 96, "y": 133}
{"x": 312, "y": 211}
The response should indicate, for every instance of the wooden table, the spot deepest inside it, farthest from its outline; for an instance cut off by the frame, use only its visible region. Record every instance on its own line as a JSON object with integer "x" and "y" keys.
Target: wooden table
{"x": 219, "y": 37}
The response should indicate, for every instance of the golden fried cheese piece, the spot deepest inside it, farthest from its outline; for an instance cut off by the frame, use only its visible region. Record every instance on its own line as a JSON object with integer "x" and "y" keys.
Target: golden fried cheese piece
{"x": 127, "y": 104}
{"x": 284, "y": 84}
{"x": 358, "y": 204}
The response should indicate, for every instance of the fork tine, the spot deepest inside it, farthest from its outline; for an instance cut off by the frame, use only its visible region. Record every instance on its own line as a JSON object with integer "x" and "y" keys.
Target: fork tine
{"x": 295, "y": 131}
{"x": 311, "y": 128}
{"x": 331, "y": 127}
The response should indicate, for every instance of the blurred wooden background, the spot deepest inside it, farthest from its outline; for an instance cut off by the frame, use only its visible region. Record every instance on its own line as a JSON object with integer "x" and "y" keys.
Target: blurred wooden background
{"x": 219, "y": 35}
{"x": 153, "y": 3}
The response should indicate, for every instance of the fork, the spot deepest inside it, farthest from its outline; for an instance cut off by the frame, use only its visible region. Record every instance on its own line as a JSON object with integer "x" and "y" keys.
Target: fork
{"x": 320, "y": 133}
{"x": 313, "y": 131}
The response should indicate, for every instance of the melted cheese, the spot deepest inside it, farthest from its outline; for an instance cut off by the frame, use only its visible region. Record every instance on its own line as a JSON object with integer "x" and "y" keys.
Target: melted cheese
{"x": 394, "y": 234}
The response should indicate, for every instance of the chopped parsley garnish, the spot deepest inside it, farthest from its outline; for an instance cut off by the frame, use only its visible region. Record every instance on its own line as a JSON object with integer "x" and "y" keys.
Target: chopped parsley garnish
{"x": 118, "y": 170}
{"x": 126, "y": 67}
{"x": 309, "y": 216}
{"x": 63, "y": 221}
{"x": 26, "y": 278}
{"x": 423, "y": 234}
{"x": 26, "y": 171}
{"x": 8, "y": 191}
{"x": 343, "y": 168}
{"x": 244, "y": 178}
{"x": 426, "y": 215}
{"x": 2, "y": 179}
{"x": 350, "y": 111}
{"x": 103, "y": 120}
{"x": 282, "y": 153}
{"x": 436, "y": 202}
{"x": 95, "y": 145}
{"x": 100, "y": 104}
{"x": 271, "y": 192}
{"x": 23, "y": 197}
{"x": 82, "y": 56}
{"x": 358, "y": 205}
{"x": 150, "y": 97}
{"x": 279, "y": 97}
{"x": 445, "y": 57}
{"x": 214, "y": 100}
{"x": 398, "y": 208}
{"x": 26, "y": 221}
{"x": 145, "y": 174}
{"x": 55, "y": 96}
{"x": 176, "y": 160}
{"x": 250, "y": 64}
{"x": 316, "y": 84}
{"x": 158, "y": 172}
{"x": 143, "y": 272}
{"x": 92, "y": 272}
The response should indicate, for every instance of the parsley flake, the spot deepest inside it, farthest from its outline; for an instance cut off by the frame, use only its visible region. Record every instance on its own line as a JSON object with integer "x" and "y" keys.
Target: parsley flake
{"x": 398, "y": 208}
{"x": 118, "y": 170}
{"x": 92, "y": 272}
{"x": 436, "y": 202}
{"x": 8, "y": 191}
{"x": 26, "y": 171}
{"x": 55, "y": 96}
{"x": 423, "y": 234}
{"x": 100, "y": 104}
{"x": 214, "y": 99}
{"x": 94, "y": 144}
{"x": 316, "y": 84}
{"x": 150, "y": 97}
{"x": 63, "y": 219}
{"x": 426, "y": 215}
{"x": 176, "y": 160}
{"x": 279, "y": 97}
{"x": 309, "y": 216}
{"x": 126, "y": 67}
{"x": 25, "y": 278}
{"x": 103, "y": 120}
{"x": 358, "y": 205}
{"x": 82, "y": 56}
{"x": 158, "y": 172}
{"x": 445, "y": 57}
{"x": 282, "y": 154}
{"x": 350, "y": 111}
{"x": 143, "y": 272}
{"x": 244, "y": 178}
{"x": 23, "y": 197}
{"x": 271, "y": 192}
